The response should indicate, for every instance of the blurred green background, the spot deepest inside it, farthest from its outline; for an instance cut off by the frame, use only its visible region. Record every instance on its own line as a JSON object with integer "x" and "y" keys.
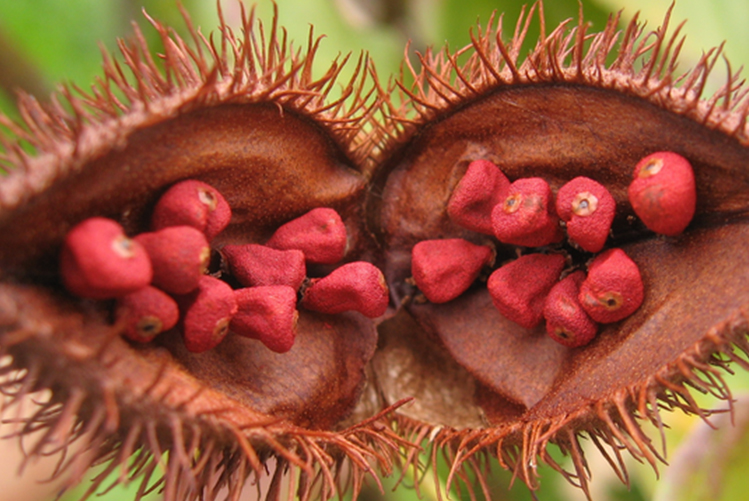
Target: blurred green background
{"x": 45, "y": 42}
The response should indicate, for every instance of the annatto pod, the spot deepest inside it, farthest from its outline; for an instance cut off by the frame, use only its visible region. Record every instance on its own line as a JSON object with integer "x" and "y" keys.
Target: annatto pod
{"x": 245, "y": 115}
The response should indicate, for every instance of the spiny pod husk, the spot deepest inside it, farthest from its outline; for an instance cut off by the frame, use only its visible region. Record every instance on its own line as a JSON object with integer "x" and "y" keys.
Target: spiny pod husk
{"x": 246, "y": 116}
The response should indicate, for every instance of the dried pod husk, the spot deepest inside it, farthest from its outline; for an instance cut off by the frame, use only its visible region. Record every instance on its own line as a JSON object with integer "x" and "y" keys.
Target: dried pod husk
{"x": 563, "y": 112}
{"x": 245, "y": 116}
{"x": 246, "y": 112}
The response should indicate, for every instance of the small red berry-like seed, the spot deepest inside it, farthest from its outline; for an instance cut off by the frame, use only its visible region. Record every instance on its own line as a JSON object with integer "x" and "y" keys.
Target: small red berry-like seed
{"x": 613, "y": 289}
{"x": 99, "y": 261}
{"x": 320, "y": 234}
{"x": 357, "y": 286}
{"x": 519, "y": 289}
{"x": 588, "y": 208}
{"x": 525, "y": 217}
{"x": 267, "y": 314}
{"x": 663, "y": 192}
{"x": 257, "y": 265}
{"x": 192, "y": 203}
{"x": 444, "y": 269}
{"x": 566, "y": 321}
{"x": 206, "y": 314}
{"x": 481, "y": 188}
{"x": 146, "y": 313}
{"x": 179, "y": 256}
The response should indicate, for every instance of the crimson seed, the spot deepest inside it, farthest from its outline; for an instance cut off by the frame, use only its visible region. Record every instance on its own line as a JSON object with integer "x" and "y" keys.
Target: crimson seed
{"x": 613, "y": 289}
{"x": 99, "y": 261}
{"x": 588, "y": 209}
{"x": 179, "y": 256}
{"x": 444, "y": 269}
{"x": 257, "y": 265}
{"x": 566, "y": 321}
{"x": 320, "y": 234}
{"x": 267, "y": 314}
{"x": 146, "y": 313}
{"x": 192, "y": 203}
{"x": 481, "y": 188}
{"x": 519, "y": 289}
{"x": 525, "y": 217}
{"x": 663, "y": 193}
{"x": 206, "y": 314}
{"x": 357, "y": 286}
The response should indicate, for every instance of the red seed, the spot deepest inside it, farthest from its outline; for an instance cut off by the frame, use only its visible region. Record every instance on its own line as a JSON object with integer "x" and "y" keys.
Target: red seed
{"x": 663, "y": 192}
{"x": 444, "y": 269}
{"x": 267, "y": 314}
{"x": 481, "y": 188}
{"x": 206, "y": 314}
{"x": 566, "y": 321}
{"x": 192, "y": 203}
{"x": 99, "y": 261}
{"x": 357, "y": 286}
{"x": 519, "y": 289}
{"x": 179, "y": 256}
{"x": 146, "y": 313}
{"x": 588, "y": 208}
{"x": 320, "y": 234}
{"x": 613, "y": 289}
{"x": 526, "y": 216}
{"x": 257, "y": 265}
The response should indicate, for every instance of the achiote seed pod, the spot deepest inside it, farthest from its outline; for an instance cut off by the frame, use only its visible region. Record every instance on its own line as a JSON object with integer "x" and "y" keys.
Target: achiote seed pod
{"x": 245, "y": 114}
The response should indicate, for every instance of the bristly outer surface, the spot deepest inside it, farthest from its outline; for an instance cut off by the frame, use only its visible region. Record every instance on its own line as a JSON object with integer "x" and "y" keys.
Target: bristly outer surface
{"x": 244, "y": 114}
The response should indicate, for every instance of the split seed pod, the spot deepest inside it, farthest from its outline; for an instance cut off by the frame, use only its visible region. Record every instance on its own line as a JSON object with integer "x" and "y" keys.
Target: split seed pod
{"x": 244, "y": 115}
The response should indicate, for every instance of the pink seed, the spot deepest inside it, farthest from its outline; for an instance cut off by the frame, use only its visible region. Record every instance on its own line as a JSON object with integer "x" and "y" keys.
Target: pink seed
{"x": 481, "y": 188}
{"x": 206, "y": 314}
{"x": 179, "y": 256}
{"x": 257, "y": 265}
{"x": 320, "y": 234}
{"x": 357, "y": 286}
{"x": 663, "y": 192}
{"x": 566, "y": 320}
{"x": 613, "y": 289}
{"x": 588, "y": 208}
{"x": 146, "y": 313}
{"x": 526, "y": 216}
{"x": 192, "y": 203}
{"x": 99, "y": 261}
{"x": 519, "y": 289}
{"x": 444, "y": 269}
{"x": 268, "y": 314}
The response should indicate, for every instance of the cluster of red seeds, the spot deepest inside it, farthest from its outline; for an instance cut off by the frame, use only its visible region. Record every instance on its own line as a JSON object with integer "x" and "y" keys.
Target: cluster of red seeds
{"x": 160, "y": 278}
{"x": 525, "y": 213}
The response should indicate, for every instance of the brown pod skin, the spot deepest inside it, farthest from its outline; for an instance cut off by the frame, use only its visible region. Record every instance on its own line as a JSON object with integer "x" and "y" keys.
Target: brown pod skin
{"x": 244, "y": 114}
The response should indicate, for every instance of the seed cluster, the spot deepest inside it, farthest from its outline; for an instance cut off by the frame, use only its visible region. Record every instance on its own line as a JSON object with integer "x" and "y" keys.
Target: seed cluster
{"x": 526, "y": 213}
{"x": 160, "y": 279}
